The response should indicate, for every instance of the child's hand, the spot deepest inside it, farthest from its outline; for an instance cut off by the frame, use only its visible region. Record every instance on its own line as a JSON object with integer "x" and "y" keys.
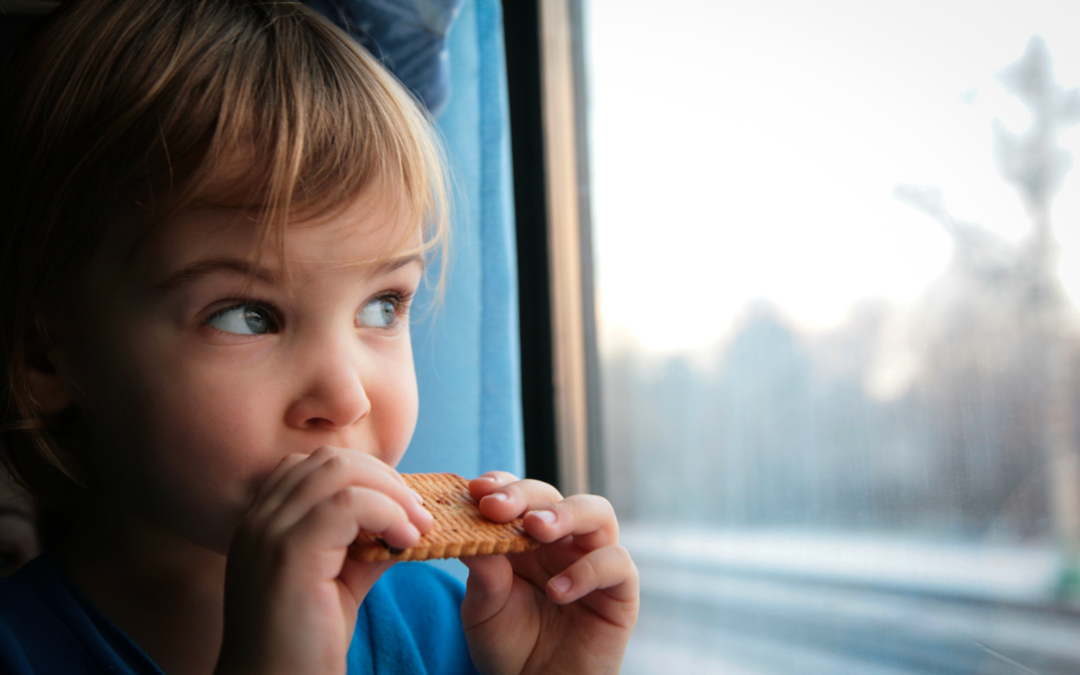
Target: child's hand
{"x": 291, "y": 593}
{"x": 567, "y": 607}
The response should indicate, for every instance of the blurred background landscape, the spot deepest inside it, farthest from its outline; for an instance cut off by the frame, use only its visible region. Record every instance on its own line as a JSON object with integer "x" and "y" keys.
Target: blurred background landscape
{"x": 838, "y": 263}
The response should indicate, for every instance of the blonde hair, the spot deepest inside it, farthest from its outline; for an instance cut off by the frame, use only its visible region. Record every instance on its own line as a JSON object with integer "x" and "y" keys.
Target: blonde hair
{"x": 122, "y": 112}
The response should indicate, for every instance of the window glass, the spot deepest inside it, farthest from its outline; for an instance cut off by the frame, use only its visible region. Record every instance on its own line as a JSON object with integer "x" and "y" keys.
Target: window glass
{"x": 837, "y": 250}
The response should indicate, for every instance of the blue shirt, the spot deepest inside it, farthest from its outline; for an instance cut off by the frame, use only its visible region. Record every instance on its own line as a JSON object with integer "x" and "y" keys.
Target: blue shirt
{"x": 409, "y": 623}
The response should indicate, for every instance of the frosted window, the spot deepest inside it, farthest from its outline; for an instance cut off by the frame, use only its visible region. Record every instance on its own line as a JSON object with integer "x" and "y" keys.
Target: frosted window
{"x": 838, "y": 267}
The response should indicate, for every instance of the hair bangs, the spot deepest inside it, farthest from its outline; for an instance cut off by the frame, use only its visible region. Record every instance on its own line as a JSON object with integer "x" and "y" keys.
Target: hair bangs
{"x": 302, "y": 130}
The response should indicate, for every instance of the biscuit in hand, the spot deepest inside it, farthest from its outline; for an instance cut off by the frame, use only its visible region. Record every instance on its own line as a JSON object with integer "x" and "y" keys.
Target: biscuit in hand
{"x": 459, "y": 529}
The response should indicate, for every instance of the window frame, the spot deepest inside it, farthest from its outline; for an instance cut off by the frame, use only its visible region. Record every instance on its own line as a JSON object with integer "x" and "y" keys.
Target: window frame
{"x": 559, "y": 359}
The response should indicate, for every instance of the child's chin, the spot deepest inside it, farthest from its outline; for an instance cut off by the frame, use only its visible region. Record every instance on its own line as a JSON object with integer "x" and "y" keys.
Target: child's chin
{"x": 210, "y": 537}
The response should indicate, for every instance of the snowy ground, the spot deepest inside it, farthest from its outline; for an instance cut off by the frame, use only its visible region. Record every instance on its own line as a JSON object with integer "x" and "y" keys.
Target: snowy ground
{"x": 767, "y": 603}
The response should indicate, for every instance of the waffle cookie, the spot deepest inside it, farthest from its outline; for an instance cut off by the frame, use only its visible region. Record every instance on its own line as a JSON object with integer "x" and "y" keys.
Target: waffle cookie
{"x": 459, "y": 529}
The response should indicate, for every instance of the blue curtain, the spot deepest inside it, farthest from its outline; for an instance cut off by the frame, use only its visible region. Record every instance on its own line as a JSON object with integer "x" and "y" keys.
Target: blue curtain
{"x": 466, "y": 349}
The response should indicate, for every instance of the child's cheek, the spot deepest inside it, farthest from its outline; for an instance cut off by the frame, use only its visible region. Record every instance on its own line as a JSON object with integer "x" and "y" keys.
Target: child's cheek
{"x": 394, "y": 404}
{"x": 181, "y": 437}
{"x": 401, "y": 426}
{"x": 218, "y": 436}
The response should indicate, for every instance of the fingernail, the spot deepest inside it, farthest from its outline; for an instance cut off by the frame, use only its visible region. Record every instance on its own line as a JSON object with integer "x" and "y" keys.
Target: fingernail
{"x": 499, "y": 496}
{"x": 548, "y": 517}
{"x": 560, "y": 584}
{"x": 490, "y": 479}
{"x": 416, "y": 496}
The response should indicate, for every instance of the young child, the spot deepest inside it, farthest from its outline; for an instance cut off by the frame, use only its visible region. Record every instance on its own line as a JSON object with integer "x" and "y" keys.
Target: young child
{"x": 215, "y": 214}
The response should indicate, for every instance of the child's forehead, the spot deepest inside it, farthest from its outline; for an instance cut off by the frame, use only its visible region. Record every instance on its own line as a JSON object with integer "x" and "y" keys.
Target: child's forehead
{"x": 371, "y": 230}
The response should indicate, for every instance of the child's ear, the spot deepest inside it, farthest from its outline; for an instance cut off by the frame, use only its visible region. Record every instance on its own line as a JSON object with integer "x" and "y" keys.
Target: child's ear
{"x": 49, "y": 384}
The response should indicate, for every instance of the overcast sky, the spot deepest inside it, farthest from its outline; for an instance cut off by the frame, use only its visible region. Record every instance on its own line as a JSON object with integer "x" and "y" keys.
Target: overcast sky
{"x": 749, "y": 150}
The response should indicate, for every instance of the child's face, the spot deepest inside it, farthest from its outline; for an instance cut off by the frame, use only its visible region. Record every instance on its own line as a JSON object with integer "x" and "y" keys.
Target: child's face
{"x": 197, "y": 377}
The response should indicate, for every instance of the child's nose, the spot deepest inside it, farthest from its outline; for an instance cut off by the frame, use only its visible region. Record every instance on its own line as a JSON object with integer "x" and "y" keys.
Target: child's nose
{"x": 331, "y": 393}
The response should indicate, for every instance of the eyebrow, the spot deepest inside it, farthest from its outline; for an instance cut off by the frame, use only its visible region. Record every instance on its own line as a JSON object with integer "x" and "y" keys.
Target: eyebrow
{"x": 202, "y": 268}
{"x": 388, "y": 266}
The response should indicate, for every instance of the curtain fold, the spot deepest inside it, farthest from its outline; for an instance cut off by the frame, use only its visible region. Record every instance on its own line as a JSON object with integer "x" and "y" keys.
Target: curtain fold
{"x": 467, "y": 349}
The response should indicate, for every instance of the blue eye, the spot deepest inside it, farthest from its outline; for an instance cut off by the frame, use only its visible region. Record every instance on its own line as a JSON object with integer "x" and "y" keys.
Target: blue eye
{"x": 243, "y": 320}
{"x": 379, "y": 313}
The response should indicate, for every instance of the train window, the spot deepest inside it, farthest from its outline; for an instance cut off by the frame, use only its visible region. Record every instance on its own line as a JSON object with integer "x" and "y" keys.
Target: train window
{"x": 837, "y": 268}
